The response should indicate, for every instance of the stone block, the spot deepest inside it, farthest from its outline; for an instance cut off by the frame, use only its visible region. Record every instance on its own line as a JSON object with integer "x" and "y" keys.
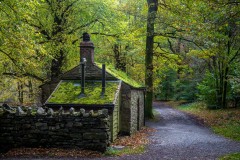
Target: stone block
{"x": 69, "y": 124}
{"x": 94, "y": 136}
{"x": 26, "y": 126}
{"x": 78, "y": 124}
{"x": 74, "y": 135}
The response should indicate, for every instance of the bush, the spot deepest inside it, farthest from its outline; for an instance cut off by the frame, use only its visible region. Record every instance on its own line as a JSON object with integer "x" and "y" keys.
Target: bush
{"x": 207, "y": 90}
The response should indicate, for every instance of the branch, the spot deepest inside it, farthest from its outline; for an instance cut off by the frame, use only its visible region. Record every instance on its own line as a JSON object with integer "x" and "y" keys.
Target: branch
{"x": 14, "y": 74}
{"x": 82, "y": 26}
{"x": 160, "y": 54}
{"x": 74, "y": 41}
{"x": 158, "y": 46}
{"x": 41, "y": 30}
{"x": 68, "y": 8}
{"x": 50, "y": 5}
{"x": 12, "y": 59}
{"x": 105, "y": 34}
{"x": 235, "y": 55}
{"x": 25, "y": 75}
{"x": 175, "y": 37}
{"x": 170, "y": 45}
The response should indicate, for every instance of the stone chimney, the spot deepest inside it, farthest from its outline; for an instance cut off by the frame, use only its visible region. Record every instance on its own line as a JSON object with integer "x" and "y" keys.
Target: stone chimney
{"x": 87, "y": 49}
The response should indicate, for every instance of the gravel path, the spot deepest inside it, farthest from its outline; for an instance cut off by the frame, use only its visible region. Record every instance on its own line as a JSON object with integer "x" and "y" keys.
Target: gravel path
{"x": 179, "y": 137}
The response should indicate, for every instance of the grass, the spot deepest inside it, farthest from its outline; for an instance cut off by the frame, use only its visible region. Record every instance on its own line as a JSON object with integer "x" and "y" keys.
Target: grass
{"x": 225, "y": 122}
{"x": 234, "y": 156}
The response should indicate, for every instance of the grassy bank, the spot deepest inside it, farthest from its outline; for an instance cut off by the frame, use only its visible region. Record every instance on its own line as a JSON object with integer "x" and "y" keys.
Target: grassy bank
{"x": 225, "y": 122}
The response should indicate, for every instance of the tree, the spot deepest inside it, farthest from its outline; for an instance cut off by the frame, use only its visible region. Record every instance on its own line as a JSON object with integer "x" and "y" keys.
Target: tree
{"x": 152, "y": 11}
{"x": 221, "y": 48}
{"x": 59, "y": 23}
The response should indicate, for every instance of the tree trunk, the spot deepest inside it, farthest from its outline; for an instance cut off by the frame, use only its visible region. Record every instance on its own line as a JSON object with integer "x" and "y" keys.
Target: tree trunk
{"x": 56, "y": 66}
{"x": 20, "y": 92}
{"x": 152, "y": 11}
{"x": 30, "y": 90}
{"x": 120, "y": 60}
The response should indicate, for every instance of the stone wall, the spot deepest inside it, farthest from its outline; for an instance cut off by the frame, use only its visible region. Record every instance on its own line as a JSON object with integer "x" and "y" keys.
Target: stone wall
{"x": 82, "y": 130}
{"x": 137, "y": 111}
{"x": 125, "y": 109}
{"x": 131, "y": 110}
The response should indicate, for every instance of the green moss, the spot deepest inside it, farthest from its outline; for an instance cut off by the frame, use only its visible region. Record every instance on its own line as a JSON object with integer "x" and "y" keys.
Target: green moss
{"x": 68, "y": 93}
{"x": 121, "y": 75}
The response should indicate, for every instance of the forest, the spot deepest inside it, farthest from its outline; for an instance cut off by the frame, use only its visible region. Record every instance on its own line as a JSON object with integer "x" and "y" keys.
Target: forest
{"x": 180, "y": 49}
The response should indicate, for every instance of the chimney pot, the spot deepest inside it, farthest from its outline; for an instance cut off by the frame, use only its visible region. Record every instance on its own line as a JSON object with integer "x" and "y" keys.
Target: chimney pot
{"x": 86, "y": 37}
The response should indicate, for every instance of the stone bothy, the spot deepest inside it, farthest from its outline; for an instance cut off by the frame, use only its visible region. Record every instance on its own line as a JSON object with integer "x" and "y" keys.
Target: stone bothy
{"x": 123, "y": 97}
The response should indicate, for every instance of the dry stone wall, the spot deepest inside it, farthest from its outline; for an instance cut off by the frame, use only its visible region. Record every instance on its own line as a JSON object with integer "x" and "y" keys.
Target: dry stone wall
{"x": 49, "y": 129}
{"x": 137, "y": 111}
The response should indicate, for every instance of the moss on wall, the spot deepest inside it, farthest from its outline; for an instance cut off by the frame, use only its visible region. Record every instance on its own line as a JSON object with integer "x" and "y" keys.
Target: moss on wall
{"x": 68, "y": 92}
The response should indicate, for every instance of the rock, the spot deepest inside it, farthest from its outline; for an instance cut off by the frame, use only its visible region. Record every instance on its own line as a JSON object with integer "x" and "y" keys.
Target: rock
{"x": 41, "y": 111}
{"x": 69, "y": 124}
{"x": 91, "y": 112}
{"x": 50, "y": 112}
{"x": 29, "y": 110}
{"x": 7, "y": 107}
{"x": 82, "y": 111}
{"x": 20, "y": 112}
{"x": 61, "y": 111}
{"x": 78, "y": 124}
{"x": 72, "y": 111}
{"x": 105, "y": 112}
{"x": 118, "y": 147}
{"x": 86, "y": 115}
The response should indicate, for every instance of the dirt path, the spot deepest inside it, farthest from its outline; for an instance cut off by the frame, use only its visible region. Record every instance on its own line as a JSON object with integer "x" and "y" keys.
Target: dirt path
{"x": 179, "y": 137}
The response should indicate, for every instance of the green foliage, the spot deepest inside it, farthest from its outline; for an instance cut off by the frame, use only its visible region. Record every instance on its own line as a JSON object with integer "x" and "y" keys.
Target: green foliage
{"x": 191, "y": 36}
{"x": 230, "y": 130}
{"x": 68, "y": 93}
{"x": 196, "y": 106}
{"x": 233, "y": 156}
{"x": 207, "y": 90}
{"x": 185, "y": 90}
{"x": 166, "y": 89}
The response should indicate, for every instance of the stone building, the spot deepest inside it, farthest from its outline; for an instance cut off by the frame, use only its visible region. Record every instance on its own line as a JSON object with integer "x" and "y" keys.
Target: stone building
{"x": 92, "y": 87}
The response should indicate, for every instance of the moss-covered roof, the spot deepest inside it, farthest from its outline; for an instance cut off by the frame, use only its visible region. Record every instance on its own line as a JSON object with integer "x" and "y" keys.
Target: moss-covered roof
{"x": 68, "y": 92}
{"x": 121, "y": 76}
